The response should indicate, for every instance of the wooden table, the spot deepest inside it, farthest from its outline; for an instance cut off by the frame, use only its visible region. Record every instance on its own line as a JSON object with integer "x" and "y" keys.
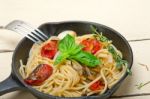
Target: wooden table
{"x": 130, "y": 17}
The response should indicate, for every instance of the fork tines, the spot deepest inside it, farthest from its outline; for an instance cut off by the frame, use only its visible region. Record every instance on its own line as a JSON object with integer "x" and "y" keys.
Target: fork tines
{"x": 27, "y": 30}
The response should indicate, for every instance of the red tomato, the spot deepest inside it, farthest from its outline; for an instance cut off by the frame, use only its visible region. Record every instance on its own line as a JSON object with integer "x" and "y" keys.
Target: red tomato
{"x": 91, "y": 45}
{"x": 39, "y": 75}
{"x": 97, "y": 86}
{"x": 49, "y": 50}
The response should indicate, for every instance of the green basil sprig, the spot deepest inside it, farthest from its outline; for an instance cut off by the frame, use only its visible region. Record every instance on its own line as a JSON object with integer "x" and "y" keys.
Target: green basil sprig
{"x": 70, "y": 50}
{"x": 86, "y": 58}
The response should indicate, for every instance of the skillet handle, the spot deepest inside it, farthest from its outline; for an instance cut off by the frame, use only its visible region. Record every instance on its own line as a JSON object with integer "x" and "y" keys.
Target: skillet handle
{"x": 9, "y": 85}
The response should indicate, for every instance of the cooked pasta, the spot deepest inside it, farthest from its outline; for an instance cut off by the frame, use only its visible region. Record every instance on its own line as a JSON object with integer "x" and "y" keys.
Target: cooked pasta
{"x": 71, "y": 77}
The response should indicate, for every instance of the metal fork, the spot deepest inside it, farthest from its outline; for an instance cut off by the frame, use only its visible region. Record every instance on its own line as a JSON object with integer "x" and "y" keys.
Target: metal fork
{"x": 27, "y": 30}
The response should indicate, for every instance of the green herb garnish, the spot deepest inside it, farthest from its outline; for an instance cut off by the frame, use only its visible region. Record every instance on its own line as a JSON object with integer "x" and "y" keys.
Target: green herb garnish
{"x": 139, "y": 86}
{"x": 70, "y": 50}
{"x": 86, "y": 58}
{"x": 119, "y": 61}
{"x": 98, "y": 35}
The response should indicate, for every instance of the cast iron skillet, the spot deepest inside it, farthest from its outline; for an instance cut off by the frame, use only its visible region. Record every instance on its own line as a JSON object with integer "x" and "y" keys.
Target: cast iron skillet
{"x": 15, "y": 81}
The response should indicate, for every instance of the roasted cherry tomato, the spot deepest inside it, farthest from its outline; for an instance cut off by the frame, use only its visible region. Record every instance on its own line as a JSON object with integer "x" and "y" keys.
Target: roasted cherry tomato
{"x": 39, "y": 75}
{"x": 97, "y": 86}
{"x": 91, "y": 45}
{"x": 49, "y": 50}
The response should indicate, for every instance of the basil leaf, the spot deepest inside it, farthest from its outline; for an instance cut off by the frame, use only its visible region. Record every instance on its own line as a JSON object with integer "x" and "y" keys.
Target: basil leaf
{"x": 86, "y": 58}
{"x": 67, "y": 43}
{"x": 69, "y": 49}
{"x": 66, "y": 47}
{"x": 60, "y": 58}
{"x": 76, "y": 49}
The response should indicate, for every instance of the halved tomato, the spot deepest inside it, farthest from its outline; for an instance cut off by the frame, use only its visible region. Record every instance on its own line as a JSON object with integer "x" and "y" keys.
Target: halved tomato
{"x": 98, "y": 85}
{"x": 49, "y": 50}
{"x": 39, "y": 75}
{"x": 91, "y": 45}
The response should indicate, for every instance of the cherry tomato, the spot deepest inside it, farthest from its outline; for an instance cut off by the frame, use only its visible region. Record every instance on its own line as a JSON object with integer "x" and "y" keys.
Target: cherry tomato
{"x": 49, "y": 50}
{"x": 39, "y": 75}
{"x": 91, "y": 45}
{"x": 97, "y": 86}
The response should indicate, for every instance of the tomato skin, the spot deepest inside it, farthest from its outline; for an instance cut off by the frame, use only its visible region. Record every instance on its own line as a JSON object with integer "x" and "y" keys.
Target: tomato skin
{"x": 97, "y": 86}
{"x": 49, "y": 50}
{"x": 39, "y": 75}
{"x": 91, "y": 45}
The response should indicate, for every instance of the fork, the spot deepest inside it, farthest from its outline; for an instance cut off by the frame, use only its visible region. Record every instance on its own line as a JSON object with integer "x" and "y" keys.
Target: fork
{"x": 27, "y": 30}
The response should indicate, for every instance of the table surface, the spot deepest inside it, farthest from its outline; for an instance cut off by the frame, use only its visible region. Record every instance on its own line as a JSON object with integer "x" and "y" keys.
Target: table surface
{"x": 130, "y": 17}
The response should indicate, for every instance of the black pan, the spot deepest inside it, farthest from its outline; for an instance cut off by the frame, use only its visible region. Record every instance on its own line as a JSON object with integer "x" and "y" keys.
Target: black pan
{"x": 15, "y": 81}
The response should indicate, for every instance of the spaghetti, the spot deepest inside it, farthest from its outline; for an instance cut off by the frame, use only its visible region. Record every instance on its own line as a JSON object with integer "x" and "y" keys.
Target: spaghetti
{"x": 71, "y": 78}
